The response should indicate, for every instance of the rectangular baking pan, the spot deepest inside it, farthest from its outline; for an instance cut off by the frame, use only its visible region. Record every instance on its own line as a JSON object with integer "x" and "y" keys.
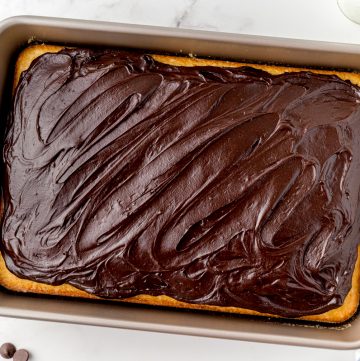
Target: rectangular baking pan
{"x": 16, "y": 32}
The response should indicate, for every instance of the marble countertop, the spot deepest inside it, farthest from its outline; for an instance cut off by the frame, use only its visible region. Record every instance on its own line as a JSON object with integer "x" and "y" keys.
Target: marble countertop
{"x": 305, "y": 19}
{"x": 301, "y": 19}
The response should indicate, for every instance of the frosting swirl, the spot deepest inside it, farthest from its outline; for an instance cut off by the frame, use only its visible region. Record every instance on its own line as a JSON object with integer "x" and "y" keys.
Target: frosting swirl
{"x": 219, "y": 186}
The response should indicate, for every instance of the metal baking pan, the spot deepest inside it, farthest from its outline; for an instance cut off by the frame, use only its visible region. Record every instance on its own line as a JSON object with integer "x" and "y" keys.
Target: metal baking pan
{"x": 16, "y": 32}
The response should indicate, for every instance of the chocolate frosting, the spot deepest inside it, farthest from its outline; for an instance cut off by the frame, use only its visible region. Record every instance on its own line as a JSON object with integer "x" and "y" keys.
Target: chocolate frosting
{"x": 218, "y": 186}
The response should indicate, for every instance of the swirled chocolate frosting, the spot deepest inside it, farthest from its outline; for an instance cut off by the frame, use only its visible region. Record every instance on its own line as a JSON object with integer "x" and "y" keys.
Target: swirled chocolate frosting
{"x": 218, "y": 186}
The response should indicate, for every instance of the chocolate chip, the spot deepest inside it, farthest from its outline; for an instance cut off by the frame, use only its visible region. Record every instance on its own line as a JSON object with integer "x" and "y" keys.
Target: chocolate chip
{"x": 7, "y": 350}
{"x": 21, "y": 355}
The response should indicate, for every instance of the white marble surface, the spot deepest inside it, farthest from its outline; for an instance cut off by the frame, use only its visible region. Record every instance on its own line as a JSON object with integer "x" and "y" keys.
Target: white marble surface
{"x": 306, "y": 19}
{"x": 61, "y": 342}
